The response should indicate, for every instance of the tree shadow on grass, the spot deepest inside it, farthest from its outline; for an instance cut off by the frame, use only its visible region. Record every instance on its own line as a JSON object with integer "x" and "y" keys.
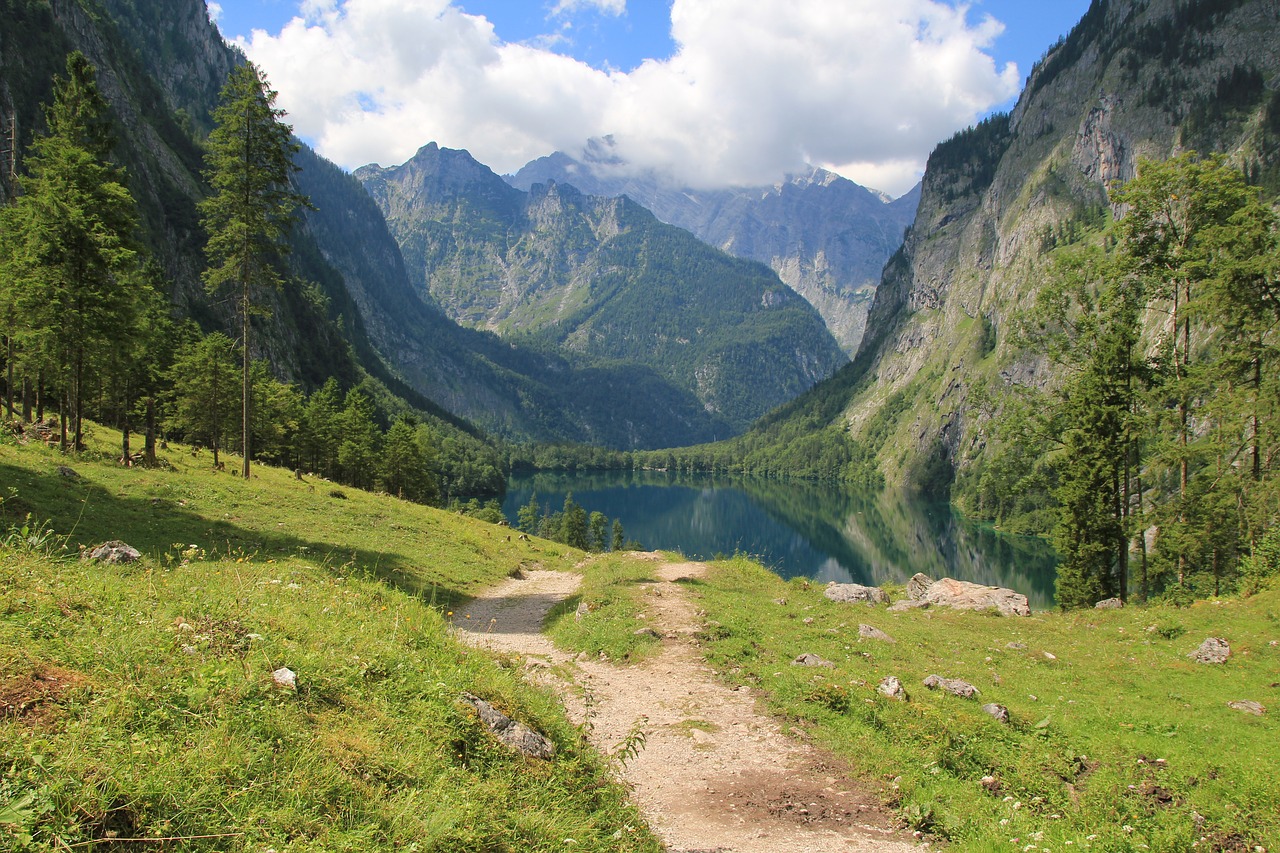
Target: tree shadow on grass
{"x": 82, "y": 513}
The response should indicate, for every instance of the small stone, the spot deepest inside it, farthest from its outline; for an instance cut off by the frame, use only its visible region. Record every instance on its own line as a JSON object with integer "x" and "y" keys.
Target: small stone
{"x": 1212, "y": 650}
{"x": 582, "y": 611}
{"x": 1050, "y": 656}
{"x": 1017, "y": 647}
{"x": 809, "y": 659}
{"x": 991, "y": 783}
{"x": 781, "y": 602}
{"x": 68, "y": 473}
{"x": 285, "y": 678}
{"x": 1249, "y": 707}
{"x": 646, "y": 632}
{"x": 114, "y": 551}
{"x": 868, "y": 632}
{"x": 999, "y": 713}
{"x": 1109, "y": 604}
{"x": 954, "y": 686}
{"x": 514, "y": 734}
{"x": 808, "y": 620}
{"x": 890, "y": 686}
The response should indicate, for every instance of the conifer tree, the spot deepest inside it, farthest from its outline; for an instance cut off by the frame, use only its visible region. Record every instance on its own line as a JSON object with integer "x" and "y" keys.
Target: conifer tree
{"x": 249, "y": 215}
{"x": 204, "y": 378}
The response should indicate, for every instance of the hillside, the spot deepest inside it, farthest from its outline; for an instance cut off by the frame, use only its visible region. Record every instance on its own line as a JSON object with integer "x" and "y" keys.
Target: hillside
{"x": 600, "y": 282}
{"x": 826, "y": 237}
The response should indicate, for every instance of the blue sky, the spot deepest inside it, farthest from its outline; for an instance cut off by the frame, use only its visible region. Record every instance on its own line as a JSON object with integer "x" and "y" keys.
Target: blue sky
{"x": 714, "y": 91}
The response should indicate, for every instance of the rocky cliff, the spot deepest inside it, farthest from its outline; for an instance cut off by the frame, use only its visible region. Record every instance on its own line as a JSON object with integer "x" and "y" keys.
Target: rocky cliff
{"x": 1135, "y": 79}
{"x": 826, "y": 237}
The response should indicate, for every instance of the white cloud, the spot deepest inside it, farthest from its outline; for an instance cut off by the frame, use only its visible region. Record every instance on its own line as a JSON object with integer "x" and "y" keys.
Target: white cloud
{"x": 608, "y": 7}
{"x": 756, "y": 88}
{"x": 215, "y": 10}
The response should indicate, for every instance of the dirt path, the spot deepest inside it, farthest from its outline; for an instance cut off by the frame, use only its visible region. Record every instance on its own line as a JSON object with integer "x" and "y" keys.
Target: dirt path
{"x": 715, "y": 775}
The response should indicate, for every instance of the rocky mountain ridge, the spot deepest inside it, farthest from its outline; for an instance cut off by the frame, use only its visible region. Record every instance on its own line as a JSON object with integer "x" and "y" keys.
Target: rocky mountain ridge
{"x": 825, "y": 236}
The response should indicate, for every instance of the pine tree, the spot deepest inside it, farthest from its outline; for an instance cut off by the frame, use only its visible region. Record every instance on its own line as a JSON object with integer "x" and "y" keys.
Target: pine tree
{"x": 360, "y": 443}
{"x": 251, "y": 211}
{"x": 68, "y": 249}
{"x": 204, "y": 377}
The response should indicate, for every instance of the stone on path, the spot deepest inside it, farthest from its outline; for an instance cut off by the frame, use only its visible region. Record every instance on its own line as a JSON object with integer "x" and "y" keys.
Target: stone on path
{"x": 953, "y": 686}
{"x": 1212, "y": 650}
{"x": 514, "y": 734}
{"x": 853, "y": 592}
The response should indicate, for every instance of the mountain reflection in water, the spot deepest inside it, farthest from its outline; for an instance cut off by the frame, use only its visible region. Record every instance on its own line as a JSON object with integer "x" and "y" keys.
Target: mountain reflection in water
{"x": 800, "y": 529}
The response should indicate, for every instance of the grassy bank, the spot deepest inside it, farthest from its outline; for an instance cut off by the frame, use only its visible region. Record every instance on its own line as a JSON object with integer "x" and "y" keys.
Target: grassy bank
{"x": 1117, "y": 740}
{"x": 137, "y": 701}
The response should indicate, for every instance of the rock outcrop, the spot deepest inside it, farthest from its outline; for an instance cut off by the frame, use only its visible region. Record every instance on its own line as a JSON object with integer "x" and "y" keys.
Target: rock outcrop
{"x": 964, "y": 595}
{"x": 855, "y": 592}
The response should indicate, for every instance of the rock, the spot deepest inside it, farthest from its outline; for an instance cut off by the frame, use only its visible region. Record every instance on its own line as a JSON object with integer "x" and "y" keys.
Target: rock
{"x": 867, "y": 632}
{"x": 285, "y": 678}
{"x": 68, "y": 473}
{"x": 1017, "y": 647}
{"x": 963, "y": 595}
{"x": 809, "y": 659}
{"x": 514, "y": 734}
{"x": 999, "y": 713}
{"x": 918, "y": 586}
{"x": 851, "y": 592}
{"x": 1109, "y": 604}
{"x": 907, "y": 604}
{"x": 647, "y": 632}
{"x": 1212, "y": 650}
{"x": 954, "y": 686}
{"x": 581, "y": 612}
{"x": 114, "y": 551}
{"x": 991, "y": 783}
{"x": 1249, "y": 707}
{"x": 890, "y": 686}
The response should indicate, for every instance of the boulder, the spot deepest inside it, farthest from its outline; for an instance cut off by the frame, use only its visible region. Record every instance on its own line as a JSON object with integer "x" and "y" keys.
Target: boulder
{"x": 954, "y": 686}
{"x": 890, "y": 686}
{"x": 999, "y": 713}
{"x": 918, "y": 586}
{"x": 1109, "y": 604}
{"x": 851, "y": 592}
{"x": 907, "y": 604}
{"x": 114, "y": 551}
{"x": 963, "y": 595}
{"x": 867, "y": 632}
{"x": 809, "y": 659}
{"x": 1212, "y": 650}
{"x": 284, "y": 678}
{"x": 1249, "y": 707}
{"x": 516, "y": 735}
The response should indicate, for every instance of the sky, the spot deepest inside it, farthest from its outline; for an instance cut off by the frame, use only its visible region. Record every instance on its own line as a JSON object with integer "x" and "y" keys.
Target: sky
{"x": 712, "y": 93}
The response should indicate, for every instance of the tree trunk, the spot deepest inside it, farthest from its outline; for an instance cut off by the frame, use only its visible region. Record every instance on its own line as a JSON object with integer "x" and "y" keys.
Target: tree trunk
{"x": 27, "y": 401}
{"x": 8, "y": 386}
{"x": 149, "y": 446}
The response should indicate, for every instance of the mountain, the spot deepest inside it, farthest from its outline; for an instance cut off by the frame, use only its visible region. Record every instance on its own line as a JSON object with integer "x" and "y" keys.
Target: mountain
{"x": 1134, "y": 79}
{"x": 826, "y": 237}
{"x": 601, "y": 282}
{"x": 348, "y": 309}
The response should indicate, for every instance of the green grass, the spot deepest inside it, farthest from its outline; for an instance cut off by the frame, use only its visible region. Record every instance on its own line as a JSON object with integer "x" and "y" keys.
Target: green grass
{"x": 137, "y": 701}
{"x": 610, "y": 589}
{"x": 1078, "y": 763}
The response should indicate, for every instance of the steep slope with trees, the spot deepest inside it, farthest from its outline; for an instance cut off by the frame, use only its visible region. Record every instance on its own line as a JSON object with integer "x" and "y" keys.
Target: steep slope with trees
{"x": 602, "y": 282}
{"x": 826, "y": 237}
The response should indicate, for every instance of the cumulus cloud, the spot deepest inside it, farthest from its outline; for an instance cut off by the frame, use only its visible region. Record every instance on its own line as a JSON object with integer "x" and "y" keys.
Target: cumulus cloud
{"x": 610, "y": 7}
{"x": 755, "y": 88}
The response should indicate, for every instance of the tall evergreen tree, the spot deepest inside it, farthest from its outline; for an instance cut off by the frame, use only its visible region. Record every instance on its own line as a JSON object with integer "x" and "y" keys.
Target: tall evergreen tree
{"x": 204, "y": 377}
{"x": 68, "y": 248}
{"x": 250, "y": 161}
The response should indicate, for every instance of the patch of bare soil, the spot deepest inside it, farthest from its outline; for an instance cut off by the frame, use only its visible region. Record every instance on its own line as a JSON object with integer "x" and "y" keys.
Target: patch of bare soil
{"x": 32, "y": 697}
{"x": 715, "y": 774}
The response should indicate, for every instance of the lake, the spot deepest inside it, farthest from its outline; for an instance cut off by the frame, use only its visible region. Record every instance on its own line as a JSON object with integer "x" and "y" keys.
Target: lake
{"x": 800, "y": 529}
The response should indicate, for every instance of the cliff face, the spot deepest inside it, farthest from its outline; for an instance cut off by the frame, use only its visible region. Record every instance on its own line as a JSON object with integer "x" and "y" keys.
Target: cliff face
{"x": 1135, "y": 79}
{"x": 600, "y": 281}
{"x": 826, "y": 237}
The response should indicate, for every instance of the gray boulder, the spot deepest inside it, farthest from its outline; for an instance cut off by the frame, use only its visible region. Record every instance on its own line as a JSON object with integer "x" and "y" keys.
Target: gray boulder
{"x": 954, "y": 686}
{"x": 1212, "y": 650}
{"x": 918, "y": 586}
{"x": 514, "y": 734}
{"x": 809, "y": 659}
{"x": 868, "y": 632}
{"x": 114, "y": 551}
{"x": 851, "y": 592}
{"x": 1249, "y": 707}
{"x": 907, "y": 604}
{"x": 963, "y": 595}
{"x": 999, "y": 713}
{"x": 890, "y": 686}
{"x": 1109, "y": 604}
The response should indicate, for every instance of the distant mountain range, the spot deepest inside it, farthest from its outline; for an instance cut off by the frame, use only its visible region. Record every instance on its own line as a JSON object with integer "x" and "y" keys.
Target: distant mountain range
{"x": 600, "y": 281}
{"x": 826, "y": 237}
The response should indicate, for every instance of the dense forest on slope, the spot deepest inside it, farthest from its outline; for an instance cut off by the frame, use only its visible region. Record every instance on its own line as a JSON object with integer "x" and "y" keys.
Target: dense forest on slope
{"x": 601, "y": 282}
